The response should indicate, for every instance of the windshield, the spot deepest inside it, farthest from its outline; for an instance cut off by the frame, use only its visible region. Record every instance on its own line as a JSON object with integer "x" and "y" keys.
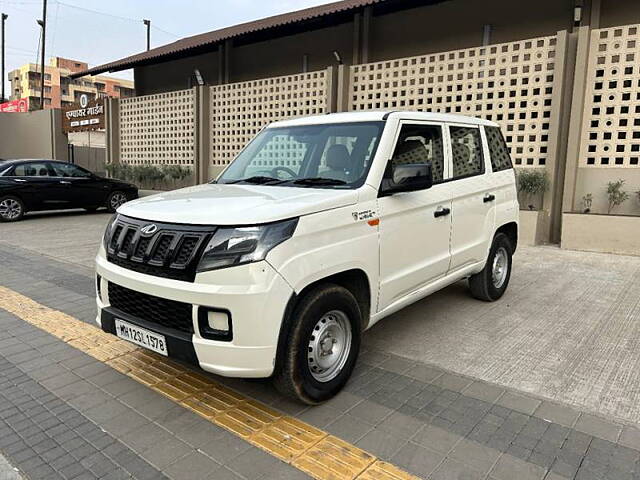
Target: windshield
{"x": 334, "y": 155}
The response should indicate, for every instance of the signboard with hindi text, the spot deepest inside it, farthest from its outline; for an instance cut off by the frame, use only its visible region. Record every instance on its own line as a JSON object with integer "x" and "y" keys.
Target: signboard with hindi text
{"x": 15, "y": 106}
{"x": 83, "y": 116}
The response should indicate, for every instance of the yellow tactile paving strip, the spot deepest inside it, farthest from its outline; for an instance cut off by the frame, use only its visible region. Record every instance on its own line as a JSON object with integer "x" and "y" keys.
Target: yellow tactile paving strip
{"x": 307, "y": 448}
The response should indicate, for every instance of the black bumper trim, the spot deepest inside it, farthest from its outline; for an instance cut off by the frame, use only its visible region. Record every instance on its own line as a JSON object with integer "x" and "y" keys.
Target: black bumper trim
{"x": 179, "y": 344}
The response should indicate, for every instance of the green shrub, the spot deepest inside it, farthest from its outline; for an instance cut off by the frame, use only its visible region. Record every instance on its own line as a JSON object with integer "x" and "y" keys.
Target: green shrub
{"x": 615, "y": 194}
{"x": 587, "y": 200}
{"x": 147, "y": 174}
{"x": 532, "y": 183}
{"x": 176, "y": 172}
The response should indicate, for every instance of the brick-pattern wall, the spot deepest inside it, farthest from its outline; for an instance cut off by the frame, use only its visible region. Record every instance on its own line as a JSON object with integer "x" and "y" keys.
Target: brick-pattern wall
{"x": 158, "y": 129}
{"x": 510, "y": 83}
{"x": 611, "y": 120}
{"x": 239, "y": 110}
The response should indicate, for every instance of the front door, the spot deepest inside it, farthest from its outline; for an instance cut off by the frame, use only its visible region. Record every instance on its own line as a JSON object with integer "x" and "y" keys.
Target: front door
{"x": 473, "y": 209}
{"x": 82, "y": 188}
{"x": 415, "y": 226}
{"x": 41, "y": 191}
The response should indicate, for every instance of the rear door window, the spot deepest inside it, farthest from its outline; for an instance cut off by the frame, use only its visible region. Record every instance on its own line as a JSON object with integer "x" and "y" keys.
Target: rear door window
{"x": 466, "y": 151}
{"x": 34, "y": 169}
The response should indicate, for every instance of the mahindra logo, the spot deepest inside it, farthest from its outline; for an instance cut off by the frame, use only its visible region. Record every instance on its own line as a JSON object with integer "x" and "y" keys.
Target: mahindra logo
{"x": 149, "y": 229}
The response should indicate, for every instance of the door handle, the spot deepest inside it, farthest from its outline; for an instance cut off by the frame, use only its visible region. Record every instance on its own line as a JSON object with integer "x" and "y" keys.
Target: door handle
{"x": 19, "y": 180}
{"x": 489, "y": 198}
{"x": 64, "y": 182}
{"x": 441, "y": 212}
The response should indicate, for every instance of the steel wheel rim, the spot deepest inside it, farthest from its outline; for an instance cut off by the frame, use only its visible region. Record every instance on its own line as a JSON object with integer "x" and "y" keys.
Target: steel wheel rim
{"x": 500, "y": 267}
{"x": 10, "y": 209}
{"x": 118, "y": 199}
{"x": 329, "y": 346}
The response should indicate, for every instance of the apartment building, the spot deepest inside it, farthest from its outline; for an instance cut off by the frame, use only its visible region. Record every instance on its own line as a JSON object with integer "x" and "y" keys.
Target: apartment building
{"x": 60, "y": 89}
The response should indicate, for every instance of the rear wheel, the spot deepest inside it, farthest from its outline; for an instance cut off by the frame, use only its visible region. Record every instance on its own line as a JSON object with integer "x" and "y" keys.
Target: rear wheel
{"x": 322, "y": 345}
{"x": 115, "y": 200}
{"x": 11, "y": 209}
{"x": 490, "y": 284}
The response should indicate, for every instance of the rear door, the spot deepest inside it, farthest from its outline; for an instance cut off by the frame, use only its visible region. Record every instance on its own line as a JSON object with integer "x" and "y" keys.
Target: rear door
{"x": 40, "y": 189}
{"x": 473, "y": 210}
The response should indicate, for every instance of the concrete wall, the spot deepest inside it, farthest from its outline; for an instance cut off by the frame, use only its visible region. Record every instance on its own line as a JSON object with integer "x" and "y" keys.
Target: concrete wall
{"x": 174, "y": 75}
{"x": 459, "y": 24}
{"x": 91, "y": 158}
{"x": 32, "y": 135}
{"x": 601, "y": 233}
{"x": 594, "y": 181}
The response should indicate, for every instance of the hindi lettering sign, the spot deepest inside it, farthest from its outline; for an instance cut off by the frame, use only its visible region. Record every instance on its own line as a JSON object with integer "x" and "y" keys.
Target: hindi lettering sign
{"x": 85, "y": 116}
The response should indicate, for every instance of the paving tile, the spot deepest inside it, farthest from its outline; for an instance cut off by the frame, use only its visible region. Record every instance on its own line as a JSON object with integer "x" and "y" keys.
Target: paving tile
{"x": 225, "y": 448}
{"x": 480, "y": 457}
{"x": 254, "y": 463}
{"x": 368, "y": 411}
{"x": 436, "y": 438}
{"x": 163, "y": 453}
{"x": 509, "y": 468}
{"x": 483, "y": 391}
{"x": 424, "y": 373}
{"x": 630, "y": 437}
{"x": 598, "y": 427}
{"x": 557, "y": 413}
{"x": 349, "y": 428}
{"x": 416, "y": 459}
{"x": 453, "y": 382}
{"x": 396, "y": 364}
{"x": 454, "y": 470}
{"x": 519, "y": 403}
{"x": 400, "y": 425}
{"x": 381, "y": 444}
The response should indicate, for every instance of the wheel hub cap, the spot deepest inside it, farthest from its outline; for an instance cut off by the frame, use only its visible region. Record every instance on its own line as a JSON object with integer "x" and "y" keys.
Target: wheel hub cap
{"x": 329, "y": 346}
{"x": 10, "y": 209}
{"x": 500, "y": 267}
{"x": 117, "y": 200}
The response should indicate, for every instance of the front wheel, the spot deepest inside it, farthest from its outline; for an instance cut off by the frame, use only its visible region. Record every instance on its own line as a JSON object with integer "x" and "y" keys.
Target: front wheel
{"x": 490, "y": 284}
{"x": 115, "y": 200}
{"x": 322, "y": 345}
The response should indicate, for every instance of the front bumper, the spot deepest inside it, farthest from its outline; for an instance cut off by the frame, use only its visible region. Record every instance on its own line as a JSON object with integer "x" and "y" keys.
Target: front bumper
{"x": 255, "y": 296}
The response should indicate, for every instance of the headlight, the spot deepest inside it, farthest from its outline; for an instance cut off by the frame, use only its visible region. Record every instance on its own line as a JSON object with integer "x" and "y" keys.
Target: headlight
{"x": 238, "y": 245}
{"x": 107, "y": 231}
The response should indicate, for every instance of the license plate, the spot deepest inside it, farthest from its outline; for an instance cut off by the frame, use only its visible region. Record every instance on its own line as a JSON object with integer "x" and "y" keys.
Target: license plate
{"x": 141, "y": 336}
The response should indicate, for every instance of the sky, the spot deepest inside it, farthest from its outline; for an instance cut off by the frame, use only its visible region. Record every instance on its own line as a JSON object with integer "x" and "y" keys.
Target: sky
{"x": 99, "y": 31}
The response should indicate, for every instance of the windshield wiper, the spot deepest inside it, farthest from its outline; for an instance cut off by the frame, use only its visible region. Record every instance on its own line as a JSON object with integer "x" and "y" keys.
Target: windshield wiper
{"x": 258, "y": 179}
{"x": 319, "y": 181}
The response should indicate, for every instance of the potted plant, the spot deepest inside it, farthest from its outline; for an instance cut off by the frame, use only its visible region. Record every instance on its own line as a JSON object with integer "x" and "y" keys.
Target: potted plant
{"x": 532, "y": 184}
{"x": 587, "y": 200}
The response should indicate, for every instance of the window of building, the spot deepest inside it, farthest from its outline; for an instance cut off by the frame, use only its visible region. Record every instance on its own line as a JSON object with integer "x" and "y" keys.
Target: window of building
{"x": 466, "y": 151}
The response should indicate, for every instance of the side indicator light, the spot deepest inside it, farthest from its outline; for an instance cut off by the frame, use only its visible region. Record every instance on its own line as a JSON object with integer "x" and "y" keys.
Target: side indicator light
{"x": 374, "y": 222}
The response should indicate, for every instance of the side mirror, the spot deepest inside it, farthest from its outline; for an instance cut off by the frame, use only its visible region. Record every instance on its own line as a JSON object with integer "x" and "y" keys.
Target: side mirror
{"x": 406, "y": 178}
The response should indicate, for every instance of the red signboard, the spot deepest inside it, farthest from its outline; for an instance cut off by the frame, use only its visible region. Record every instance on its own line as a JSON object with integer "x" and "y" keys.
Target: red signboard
{"x": 15, "y": 106}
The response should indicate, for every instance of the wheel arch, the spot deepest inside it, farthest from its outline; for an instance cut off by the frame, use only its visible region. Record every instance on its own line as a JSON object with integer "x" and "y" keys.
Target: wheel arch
{"x": 511, "y": 231}
{"x": 355, "y": 280}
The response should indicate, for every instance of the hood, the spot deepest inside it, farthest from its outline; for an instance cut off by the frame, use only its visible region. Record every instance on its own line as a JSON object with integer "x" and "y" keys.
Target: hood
{"x": 219, "y": 204}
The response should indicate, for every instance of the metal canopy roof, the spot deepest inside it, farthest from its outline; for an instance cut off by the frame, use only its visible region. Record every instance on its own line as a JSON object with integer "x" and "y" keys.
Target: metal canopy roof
{"x": 204, "y": 40}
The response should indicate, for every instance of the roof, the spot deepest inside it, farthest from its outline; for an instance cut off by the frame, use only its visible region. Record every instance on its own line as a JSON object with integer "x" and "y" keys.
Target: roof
{"x": 211, "y": 38}
{"x": 379, "y": 115}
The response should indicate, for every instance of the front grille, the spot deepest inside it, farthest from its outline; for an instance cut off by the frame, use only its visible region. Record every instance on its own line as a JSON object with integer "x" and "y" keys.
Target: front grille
{"x": 171, "y": 251}
{"x": 168, "y": 313}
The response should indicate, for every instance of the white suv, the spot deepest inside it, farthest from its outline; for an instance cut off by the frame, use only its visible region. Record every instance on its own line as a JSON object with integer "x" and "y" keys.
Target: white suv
{"x": 318, "y": 229}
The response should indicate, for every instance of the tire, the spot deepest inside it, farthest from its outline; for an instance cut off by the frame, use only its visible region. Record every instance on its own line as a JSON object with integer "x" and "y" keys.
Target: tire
{"x": 483, "y": 285}
{"x": 115, "y": 200}
{"x": 11, "y": 209}
{"x": 332, "y": 311}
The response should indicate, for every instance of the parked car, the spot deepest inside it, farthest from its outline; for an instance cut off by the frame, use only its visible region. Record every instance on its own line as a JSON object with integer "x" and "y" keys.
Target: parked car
{"x": 35, "y": 185}
{"x": 320, "y": 228}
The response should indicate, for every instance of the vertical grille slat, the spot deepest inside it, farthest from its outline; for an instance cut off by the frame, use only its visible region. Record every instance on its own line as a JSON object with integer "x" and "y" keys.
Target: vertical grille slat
{"x": 171, "y": 251}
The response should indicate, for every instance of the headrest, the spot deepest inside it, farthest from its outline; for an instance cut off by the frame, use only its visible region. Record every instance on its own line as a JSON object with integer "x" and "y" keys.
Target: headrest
{"x": 461, "y": 153}
{"x": 338, "y": 157}
{"x": 411, "y": 151}
{"x": 43, "y": 172}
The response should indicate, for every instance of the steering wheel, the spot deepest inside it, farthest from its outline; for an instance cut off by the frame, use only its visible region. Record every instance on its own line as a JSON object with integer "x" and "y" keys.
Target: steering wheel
{"x": 275, "y": 172}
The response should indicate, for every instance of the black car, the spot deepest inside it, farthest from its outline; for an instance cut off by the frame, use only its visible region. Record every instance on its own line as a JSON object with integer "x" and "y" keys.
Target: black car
{"x": 33, "y": 185}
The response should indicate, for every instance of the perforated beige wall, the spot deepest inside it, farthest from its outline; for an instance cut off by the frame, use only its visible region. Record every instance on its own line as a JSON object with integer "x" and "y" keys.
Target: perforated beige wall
{"x": 158, "y": 129}
{"x": 240, "y": 110}
{"x": 509, "y": 83}
{"x": 611, "y": 120}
